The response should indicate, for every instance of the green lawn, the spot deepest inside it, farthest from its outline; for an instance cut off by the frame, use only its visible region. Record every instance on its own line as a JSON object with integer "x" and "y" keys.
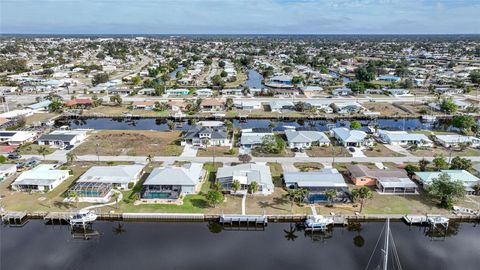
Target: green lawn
{"x": 308, "y": 166}
{"x": 32, "y": 149}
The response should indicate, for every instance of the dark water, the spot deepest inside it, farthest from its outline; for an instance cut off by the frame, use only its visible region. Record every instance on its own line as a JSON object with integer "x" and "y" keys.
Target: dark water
{"x": 173, "y": 74}
{"x": 254, "y": 79}
{"x": 193, "y": 246}
{"x": 161, "y": 124}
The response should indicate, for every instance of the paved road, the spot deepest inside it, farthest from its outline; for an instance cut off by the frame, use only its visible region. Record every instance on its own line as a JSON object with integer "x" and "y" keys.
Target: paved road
{"x": 287, "y": 160}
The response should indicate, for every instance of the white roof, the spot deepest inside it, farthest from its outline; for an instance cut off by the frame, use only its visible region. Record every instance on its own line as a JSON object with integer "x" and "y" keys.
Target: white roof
{"x": 119, "y": 174}
{"x": 348, "y": 135}
{"x": 396, "y": 136}
{"x": 187, "y": 175}
{"x": 42, "y": 175}
{"x": 306, "y": 136}
{"x": 259, "y": 173}
{"x": 322, "y": 178}
{"x": 456, "y": 138}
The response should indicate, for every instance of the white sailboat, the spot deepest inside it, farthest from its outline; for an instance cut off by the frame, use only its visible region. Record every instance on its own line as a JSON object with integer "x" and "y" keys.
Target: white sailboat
{"x": 388, "y": 245}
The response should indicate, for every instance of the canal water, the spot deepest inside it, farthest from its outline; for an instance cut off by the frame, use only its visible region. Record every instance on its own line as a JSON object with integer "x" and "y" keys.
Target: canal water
{"x": 203, "y": 246}
{"x": 161, "y": 124}
{"x": 254, "y": 79}
{"x": 173, "y": 74}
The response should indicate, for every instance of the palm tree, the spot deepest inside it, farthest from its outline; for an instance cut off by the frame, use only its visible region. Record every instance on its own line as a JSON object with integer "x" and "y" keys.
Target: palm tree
{"x": 217, "y": 186}
{"x": 290, "y": 234}
{"x": 117, "y": 230}
{"x": 291, "y": 196}
{"x": 422, "y": 164}
{"x": 71, "y": 157}
{"x": 74, "y": 195}
{"x": 116, "y": 196}
{"x": 331, "y": 194}
{"x": 253, "y": 187}
{"x": 236, "y": 186}
{"x": 362, "y": 194}
{"x": 42, "y": 151}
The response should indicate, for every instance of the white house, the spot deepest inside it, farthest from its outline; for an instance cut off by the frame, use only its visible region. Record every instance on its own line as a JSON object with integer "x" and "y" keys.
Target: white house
{"x": 305, "y": 138}
{"x": 320, "y": 105}
{"x": 254, "y": 137}
{"x": 62, "y": 138}
{"x": 120, "y": 176}
{"x": 455, "y": 140}
{"x": 398, "y": 92}
{"x": 7, "y": 170}
{"x": 404, "y": 138}
{"x": 347, "y": 137}
{"x": 44, "y": 177}
{"x": 246, "y": 174}
{"x": 347, "y": 107}
{"x": 17, "y": 137}
{"x": 281, "y": 105}
{"x": 248, "y": 105}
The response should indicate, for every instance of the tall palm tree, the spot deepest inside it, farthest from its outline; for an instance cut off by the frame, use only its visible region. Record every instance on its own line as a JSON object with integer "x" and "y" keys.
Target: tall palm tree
{"x": 42, "y": 151}
{"x": 253, "y": 187}
{"x": 71, "y": 157}
{"x": 331, "y": 194}
{"x": 74, "y": 195}
{"x": 236, "y": 186}
{"x": 116, "y": 196}
{"x": 290, "y": 234}
{"x": 119, "y": 229}
{"x": 362, "y": 194}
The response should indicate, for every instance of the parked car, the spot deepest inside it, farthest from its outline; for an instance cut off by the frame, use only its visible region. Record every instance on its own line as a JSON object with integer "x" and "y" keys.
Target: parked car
{"x": 14, "y": 155}
{"x": 68, "y": 147}
{"x": 351, "y": 149}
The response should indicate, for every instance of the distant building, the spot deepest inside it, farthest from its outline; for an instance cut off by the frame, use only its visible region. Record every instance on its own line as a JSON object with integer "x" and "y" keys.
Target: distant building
{"x": 389, "y": 78}
{"x": 17, "y": 137}
{"x": 62, "y": 138}
{"x": 469, "y": 180}
{"x": 202, "y": 136}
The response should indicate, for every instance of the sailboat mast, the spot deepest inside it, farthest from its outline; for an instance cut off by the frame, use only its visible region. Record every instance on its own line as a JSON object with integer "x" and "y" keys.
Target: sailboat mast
{"x": 385, "y": 248}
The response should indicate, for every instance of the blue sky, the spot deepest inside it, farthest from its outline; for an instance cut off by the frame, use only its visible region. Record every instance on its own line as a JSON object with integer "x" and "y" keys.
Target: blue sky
{"x": 240, "y": 16}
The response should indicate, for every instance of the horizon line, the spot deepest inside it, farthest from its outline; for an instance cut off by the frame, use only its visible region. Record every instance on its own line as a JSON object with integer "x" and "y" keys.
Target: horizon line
{"x": 244, "y": 34}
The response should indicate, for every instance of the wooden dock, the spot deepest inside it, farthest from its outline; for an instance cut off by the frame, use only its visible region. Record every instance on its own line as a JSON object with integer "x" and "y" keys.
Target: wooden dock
{"x": 162, "y": 217}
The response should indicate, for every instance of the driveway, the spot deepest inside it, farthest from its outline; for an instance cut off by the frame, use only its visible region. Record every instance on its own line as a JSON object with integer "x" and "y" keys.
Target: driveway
{"x": 288, "y": 167}
{"x": 398, "y": 149}
{"x": 358, "y": 152}
{"x": 189, "y": 151}
{"x": 302, "y": 155}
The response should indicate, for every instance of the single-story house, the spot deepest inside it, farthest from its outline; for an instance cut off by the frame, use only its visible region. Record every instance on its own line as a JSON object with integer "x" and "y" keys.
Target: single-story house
{"x": 305, "y": 138}
{"x": 7, "y": 170}
{"x": 281, "y": 81}
{"x": 17, "y": 137}
{"x": 44, "y": 177}
{"x": 62, "y": 138}
{"x": 311, "y": 91}
{"x": 389, "y": 78}
{"x": 169, "y": 183}
{"x": 246, "y": 174}
{"x": 281, "y": 105}
{"x": 147, "y": 91}
{"x": 213, "y": 104}
{"x": 120, "y": 176}
{"x": 177, "y": 92}
{"x": 204, "y": 92}
{"x": 248, "y": 105}
{"x": 232, "y": 92}
{"x": 448, "y": 91}
{"x": 320, "y": 105}
{"x": 469, "y": 180}
{"x": 347, "y": 107}
{"x": 347, "y": 137}
{"x": 40, "y": 106}
{"x": 386, "y": 180}
{"x": 143, "y": 105}
{"x": 404, "y": 138}
{"x": 397, "y": 92}
{"x": 254, "y": 137}
{"x": 317, "y": 183}
{"x": 79, "y": 102}
{"x": 455, "y": 140}
{"x": 343, "y": 91}
{"x": 198, "y": 135}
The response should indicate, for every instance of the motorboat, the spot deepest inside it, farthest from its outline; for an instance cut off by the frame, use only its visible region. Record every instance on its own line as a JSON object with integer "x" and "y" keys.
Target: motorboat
{"x": 83, "y": 217}
{"x": 318, "y": 222}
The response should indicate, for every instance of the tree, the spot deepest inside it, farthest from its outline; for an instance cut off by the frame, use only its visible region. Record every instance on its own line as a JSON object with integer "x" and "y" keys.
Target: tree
{"x": 446, "y": 190}
{"x": 363, "y": 75}
{"x": 136, "y": 80}
{"x": 411, "y": 169}
{"x": 253, "y": 187}
{"x": 459, "y": 163}
{"x": 331, "y": 194}
{"x": 272, "y": 125}
{"x": 440, "y": 163}
{"x": 170, "y": 125}
{"x": 223, "y": 74}
{"x": 300, "y": 106}
{"x": 422, "y": 164}
{"x": 362, "y": 194}
{"x": 75, "y": 197}
{"x": 355, "y": 125}
{"x": 297, "y": 79}
{"x": 290, "y": 234}
{"x": 42, "y": 151}
{"x": 447, "y": 105}
{"x": 217, "y": 186}
{"x": 357, "y": 87}
{"x": 244, "y": 158}
{"x": 236, "y": 186}
{"x": 214, "y": 198}
{"x": 464, "y": 122}
{"x": 464, "y": 145}
{"x": 116, "y": 197}
{"x": 116, "y": 99}
{"x": 55, "y": 106}
{"x": 71, "y": 157}
{"x": 475, "y": 76}
{"x": 229, "y": 103}
{"x": 99, "y": 78}
{"x": 291, "y": 196}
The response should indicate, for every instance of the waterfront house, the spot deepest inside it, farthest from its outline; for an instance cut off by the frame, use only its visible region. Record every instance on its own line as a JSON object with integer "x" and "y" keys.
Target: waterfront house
{"x": 397, "y": 92}
{"x": 212, "y": 104}
{"x": 44, "y": 177}
{"x": 40, "y": 106}
{"x": 170, "y": 183}
{"x": 347, "y": 137}
{"x": 404, "y": 138}
{"x": 143, "y": 105}
{"x": 16, "y": 137}
{"x": 62, "y": 138}
{"x": 147, "y": 91}
{"x": 455, "y": 140}
{"x": 79, "y": 103}
{"x": 119, "y": 176}
{"x": 319, "y": 105}
{"x": 317, "y": 183}
{"x": 7, "y": 170}
{"x": 306, "y": 138}
{"x": 281, "y": 105}
{"x": 347, "y": 107}
{"x": 281, "y": 81}
{"x": 251, "y": 138}
{"x": 246, "y": 174}
{"x": 248, "y": 105}
{"x": 203, "y": 136}
{"x": 469, "y": 180}
{"x": 386, "y": 180}
{"x": 204, "y": 92}
{"x": 238, "y": 92}
{"x": 448, "y": 91}
{"x": 15, "y": 114}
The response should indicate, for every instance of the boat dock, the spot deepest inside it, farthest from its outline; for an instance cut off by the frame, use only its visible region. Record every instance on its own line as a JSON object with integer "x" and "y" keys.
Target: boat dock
{"x": 162, "y": 217}
{"x": 432, "y": 220}
{"x": 244, "y": 219}
{"x": 15, "y": 218}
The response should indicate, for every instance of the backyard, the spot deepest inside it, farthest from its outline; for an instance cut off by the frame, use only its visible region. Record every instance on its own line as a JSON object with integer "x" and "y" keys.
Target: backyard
{"x": 219, "y": 151}
{"x": 379, "y": 150}
{"x": 328, "y": 151}
{"x": 131, "y": 143}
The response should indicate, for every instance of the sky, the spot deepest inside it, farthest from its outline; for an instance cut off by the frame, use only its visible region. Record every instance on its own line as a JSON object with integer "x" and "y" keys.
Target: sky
{"x": 240, "y": 16}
